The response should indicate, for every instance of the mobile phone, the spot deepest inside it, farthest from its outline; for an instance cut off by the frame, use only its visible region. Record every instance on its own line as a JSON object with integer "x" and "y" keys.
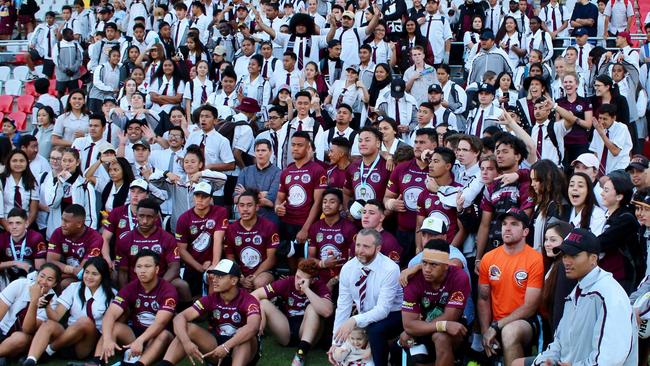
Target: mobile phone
{"x": 48, "y": 298}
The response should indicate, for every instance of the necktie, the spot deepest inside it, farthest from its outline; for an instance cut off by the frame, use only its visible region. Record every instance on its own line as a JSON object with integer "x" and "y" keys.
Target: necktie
{"x": 341, "y": 134}
{"x": 397, "y": 116}
{"x": 340, "y": 99}
{"x": 580, "y": 56}
{"x": 530, "y": 45}
{"x": 374, "y": 55}
{"x": 299, "y": 125}
{"x": 578, "y": 293}
{"x": 202, "y": 144}
{"x": 89, "y": 309}
{"x": 164, "y": 92}
{"x": 491, "y": 18}
{"x": 300, "y": 54}
{"x": 225, "y": 101}
{"x": 603, "y": 158}
{"x": 554, "y": 20}
{"x": 49, "y": 42}
{"x": 204, "y": 95}
{"x": 265, "y": 69}
{"x": 288, "y": 80}
{"x": 90, "y": 154}
{"x": 429, "y": 26}
{"x": 170, "y": 165}
{"x": 540, "y": 136}
{"x": 152, "y": 72}
{"x": 271, "y": 25}
{"x": 178, "y": 28}
{"x": 361, "y": 284}
{"x": 274, "y": 139}
{"x": 18, "y": 198}
{"x": 479, "y": 125}
{"x": 109, "y": 132}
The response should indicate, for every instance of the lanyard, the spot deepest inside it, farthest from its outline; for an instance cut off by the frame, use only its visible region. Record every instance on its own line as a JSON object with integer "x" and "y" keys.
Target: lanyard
{"x": 372, "y": 167}
{"x": 12, "y": 246}
{"x": 130, "y": 217}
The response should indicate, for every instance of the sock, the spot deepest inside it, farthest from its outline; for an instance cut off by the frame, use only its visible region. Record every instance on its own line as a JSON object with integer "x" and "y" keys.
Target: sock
{"x": 138, "y": 363}
{"x": 99, "y": 361}
{"x": 49, "y": 350}
{"x": 304, "y": 346}
{"x": 165, "y": 363}
{"x": 32, "y": 358}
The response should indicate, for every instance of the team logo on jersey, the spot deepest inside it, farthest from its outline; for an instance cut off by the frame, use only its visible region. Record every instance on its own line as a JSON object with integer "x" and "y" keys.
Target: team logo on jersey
{"x": 356, "y": 176}
{"x": 319, "y": 237}
{"x": 122, "y": 224}
{"x": 64, "y": 247}
{"x": 155, "y": 306}
{"x": 287, "y": 180}
{"x": 236, "y": 317}
{"x": 521, "y": 277}
{"x": 323, "y": 180}
{"x": 275, "y": 238}
{"x": 406, "y": 178}
{"x": 290, "y": 301}
{"x": 394, "y": 256}
{"x": 305, "y": 178}
{"x": 210, "y": 224}
{"x": 457, "y": 298}
{"x": 41, "y": 247}
{"x": 579, "y": 108}
{"x": 238, "y": 240}
{"x": 224, "y": 223}
{"x": 427, "y": 203}
{"x": 157, "y": 248}
{"x": 194, "y": 230}
{"x": 137, "y": 303}
{"x": 226, "y": 316}
{"x": 94, "y": 252}
{"x": 257, "y": 240}
{"x": 253, "y": 308}
{"x": 375, "y": 177}
{"x": 338, "y": 238}
{"x": 216, "y": 314}
{"x": 426, "y": 302}
{"x": 170, "y": 302}
{"x": 495, "y": 272}
{"x": 418, "y": 179}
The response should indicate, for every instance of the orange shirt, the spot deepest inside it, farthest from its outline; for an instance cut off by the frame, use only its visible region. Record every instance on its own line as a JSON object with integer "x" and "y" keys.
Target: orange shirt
{"x": 509, "y": 276}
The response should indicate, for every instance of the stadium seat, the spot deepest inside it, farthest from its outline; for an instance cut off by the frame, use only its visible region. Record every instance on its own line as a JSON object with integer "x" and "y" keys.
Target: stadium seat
{"x": 25, "y": 103}
{"x": 52, "y": 89}
{"x": 13, "y": 87}
{"x": 6, "y": 102}
{"x": 21, "y": 72}
{"x": 29, "y": 88}
{"x": 5, "y": 71}
{"x": 20, "y": 118}
{"x": 2, "y": 115}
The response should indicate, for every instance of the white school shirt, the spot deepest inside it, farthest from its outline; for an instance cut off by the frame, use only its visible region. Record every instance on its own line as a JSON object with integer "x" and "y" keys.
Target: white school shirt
{"x": 317, "y": 43}
{"x": 618, "y": 15}
{"x": 202, "y": 23}
{"x": 195, "y": 95}
{"x": 548, "y": 149}
{"x": 67, "y": 124}
{"x": 547, "y": 13}
{"x": 39, "y": 165}
{"x": 70, "y": 300}
{"x": 620, "y": 136}
{"x": 350, "y": 44}
{"x": 16, "y": 296}
{"x": 439, "y": 31}
{"x": 82, "y": 144}
{"x": 596, "y": 223}
{"x": 26, "y": 196}
{"x": 159, "y": 88}
{"x": 217, "y": 148}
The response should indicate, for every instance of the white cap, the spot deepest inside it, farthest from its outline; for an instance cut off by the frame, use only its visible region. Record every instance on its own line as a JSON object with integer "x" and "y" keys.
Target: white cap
{"x": 434, "y": 224}
{"x": 590, "y": 160}
{"x": 140, "y": 183}
{"x": 356, "y": 210}
{"x": 226, "y": 267}
{"x": 203, "y": 187}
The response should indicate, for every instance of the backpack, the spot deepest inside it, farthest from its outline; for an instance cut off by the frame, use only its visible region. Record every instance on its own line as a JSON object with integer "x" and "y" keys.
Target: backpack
{"x": 330, "y": 135}
{"x": 227, "y": 129}
{"x": 550, "y": 132}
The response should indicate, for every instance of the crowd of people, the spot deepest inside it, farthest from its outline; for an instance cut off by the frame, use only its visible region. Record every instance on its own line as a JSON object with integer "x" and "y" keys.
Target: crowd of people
{"x": 312, "y": 173}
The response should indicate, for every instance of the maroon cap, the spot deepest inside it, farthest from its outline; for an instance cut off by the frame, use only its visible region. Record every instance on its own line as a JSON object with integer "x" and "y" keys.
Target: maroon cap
{"x": 248, "y": 105}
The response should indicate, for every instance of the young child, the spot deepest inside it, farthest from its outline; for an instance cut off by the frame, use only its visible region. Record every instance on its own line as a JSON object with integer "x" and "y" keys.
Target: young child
{"x": 355, "y": 351}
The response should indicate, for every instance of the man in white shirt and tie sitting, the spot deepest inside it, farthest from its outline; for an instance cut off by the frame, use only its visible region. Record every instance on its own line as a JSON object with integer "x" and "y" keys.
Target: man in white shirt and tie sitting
{"x": 370, "y": 282}
{"x": 90, "y": 145}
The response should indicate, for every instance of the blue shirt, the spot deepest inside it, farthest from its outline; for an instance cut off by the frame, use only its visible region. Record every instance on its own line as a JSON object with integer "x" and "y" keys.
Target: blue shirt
{"x": 589, "y": 11}
{"x": 266, "y": 179}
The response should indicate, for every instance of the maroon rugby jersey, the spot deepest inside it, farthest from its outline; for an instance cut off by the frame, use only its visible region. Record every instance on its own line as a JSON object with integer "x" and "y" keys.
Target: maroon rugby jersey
{"x": 429, "y": 204}
{"x": 295, "y": 302}
{"x": 299, "y": 185}
{"x": 249, "y": 246}
{"x": 159, "y": 241}
{"x": 35, "y": 247}
{"x": 142, "y": 306}
{"x": 119, "y": 222}
{"x": 198, "y": 232}
{"x": 337, "y": 241}
{"x": 226, "y": 319}
{"x": 409, "y": 180}
{"x": 75, "y": 250}
{"x": 375, "y": 178}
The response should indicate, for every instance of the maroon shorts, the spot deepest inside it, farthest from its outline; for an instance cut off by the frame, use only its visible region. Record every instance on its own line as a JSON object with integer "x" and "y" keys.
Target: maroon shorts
{"x": 26, "y": 19}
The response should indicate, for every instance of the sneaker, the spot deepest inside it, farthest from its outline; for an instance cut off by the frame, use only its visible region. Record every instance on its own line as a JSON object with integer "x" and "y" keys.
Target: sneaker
{"x": 31, "y": 76}
{"x": 298, "y": 359}
{"x": 3, "y": 361}
{"x": 29, "y": 362}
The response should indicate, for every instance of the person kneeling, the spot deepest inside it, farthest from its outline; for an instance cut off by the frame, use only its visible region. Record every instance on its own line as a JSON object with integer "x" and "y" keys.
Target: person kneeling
{"x": 86, "y": 302}
{"x": 234, "y": 316}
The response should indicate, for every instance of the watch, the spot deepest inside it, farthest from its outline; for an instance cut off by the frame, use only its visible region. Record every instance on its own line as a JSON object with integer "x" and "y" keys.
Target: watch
{"x": 495, "y": 325}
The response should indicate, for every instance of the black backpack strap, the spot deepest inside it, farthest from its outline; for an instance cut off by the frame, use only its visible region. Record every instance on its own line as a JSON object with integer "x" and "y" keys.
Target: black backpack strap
{"x": 330, "y": 135}
{"x": 550, "y": 130}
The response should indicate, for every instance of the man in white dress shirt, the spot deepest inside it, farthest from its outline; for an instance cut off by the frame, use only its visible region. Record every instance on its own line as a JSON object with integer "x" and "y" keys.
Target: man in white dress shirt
{"x": 90, "y": 145}
{"x": 369, "y": 281}
{"x": 611, "y": 142}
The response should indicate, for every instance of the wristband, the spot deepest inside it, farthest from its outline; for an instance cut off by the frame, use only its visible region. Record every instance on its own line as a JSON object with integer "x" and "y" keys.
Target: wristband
{"x": 441, "y": 326}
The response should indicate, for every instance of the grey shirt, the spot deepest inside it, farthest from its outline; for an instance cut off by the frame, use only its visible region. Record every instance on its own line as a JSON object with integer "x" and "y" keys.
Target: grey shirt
{"x": 264, "y": 180}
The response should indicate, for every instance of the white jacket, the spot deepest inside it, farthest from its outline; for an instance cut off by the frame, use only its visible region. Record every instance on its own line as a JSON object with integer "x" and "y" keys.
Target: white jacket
{"x": 82, "y": 194}
{"x": 600, "y": 329}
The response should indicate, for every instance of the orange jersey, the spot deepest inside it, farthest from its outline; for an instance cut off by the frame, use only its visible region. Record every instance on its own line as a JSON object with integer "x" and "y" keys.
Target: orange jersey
{"x": 509, "y": 276}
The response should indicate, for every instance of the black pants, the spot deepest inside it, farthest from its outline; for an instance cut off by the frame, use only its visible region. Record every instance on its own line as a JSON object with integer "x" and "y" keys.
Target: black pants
{"x": 407, "y": 240}
{"x": 380, "y": 333}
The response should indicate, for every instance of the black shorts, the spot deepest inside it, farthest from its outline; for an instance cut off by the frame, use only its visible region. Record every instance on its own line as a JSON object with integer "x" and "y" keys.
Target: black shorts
{"x": 227, "y": 361}
{"x": 294, "y": 329}
{"x": 535, "y": 323}
{"x": 70, "y": 85}
{"x": 195, "y": 280}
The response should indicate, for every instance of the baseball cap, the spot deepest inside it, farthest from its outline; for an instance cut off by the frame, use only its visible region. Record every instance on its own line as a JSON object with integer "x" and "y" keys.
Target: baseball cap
{"x": 108, "y": 8}
{"x": 225, "y": 267}
{"x": 433, "y": 225}
{"x": 203, "y": 187}
{"x": 348, "y": 14}
{"x": 248, "y": 105}
{"x": 485, "y": 87}
{"x": 579, "y": 240}
{"x": 140, "y": 183}
{"x": 142, "y": 142}
{"x": 487, "y": 34}
{"x": 435, "y": 88}
{"x": 588, "y": 159}
{"x": 106, "y": 147}
{"x": 397, "y": 87}
{"x": 219, "y": 50}
{"x": 578, "y": 32}
{"x": 354, "y": 68}
{"x": 625, "y": 35}
{"x": 638, "y": 162}
{"x": 284, "y": 87}
{"x": 382, "y": 118}
{"x": 517, "y": 214}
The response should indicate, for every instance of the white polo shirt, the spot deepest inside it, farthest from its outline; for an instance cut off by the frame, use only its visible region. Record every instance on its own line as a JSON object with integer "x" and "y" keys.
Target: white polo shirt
{"x": 620, "y": 136}
{"x": 618, "y": 15}
{"x": 16, "y": 296}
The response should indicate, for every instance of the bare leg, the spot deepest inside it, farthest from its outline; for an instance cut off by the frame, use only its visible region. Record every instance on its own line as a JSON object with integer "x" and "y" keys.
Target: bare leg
{"x": 16, "y": 344}
{"x": 310, "y": 325}
{"x": 82, "y": 334}
{"x": 199, "y": 336}
{"x": 155, "y": 349}
{"x": 29, "y": 62}
{"x": 123, "y": 335}
{"x": 184, "y": 293}
{"x": 262, "y": 280}
{"x": 45, "y": 333}
{"x": 276, "y": 322}
{"x": 444, "y": 349}
{"x": 244, "y": 353}
{"x": 514, "y": 336}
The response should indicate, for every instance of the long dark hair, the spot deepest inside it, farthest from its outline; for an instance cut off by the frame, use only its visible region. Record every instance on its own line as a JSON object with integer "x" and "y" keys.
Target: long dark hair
{"x": 68, "y": 106}
{"x": 127, "y": 172}
{"x": 50, "y": 113}
{"x": 563, "y": 228}
{"x": 553, "y": 186}
{"x": 29, "y": 182}
{"x": 196, "y": 150}
{"x": 502, "y": 29}
{"x": 376, "y": 86}
{"x": 75, "y": 154}
{"x": 102, "y": 267}
{"x": 590, "y": 201}
{"x": 177, "y": 74}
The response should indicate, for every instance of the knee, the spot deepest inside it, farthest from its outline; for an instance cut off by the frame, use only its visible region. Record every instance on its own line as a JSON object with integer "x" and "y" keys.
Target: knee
{"x": 165, "y": 337}
{"x": 261, "y": 281}
{"x": 442, "y": 341}
{"x": 509, "y": 335}
{"x": 86, "y": 324}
